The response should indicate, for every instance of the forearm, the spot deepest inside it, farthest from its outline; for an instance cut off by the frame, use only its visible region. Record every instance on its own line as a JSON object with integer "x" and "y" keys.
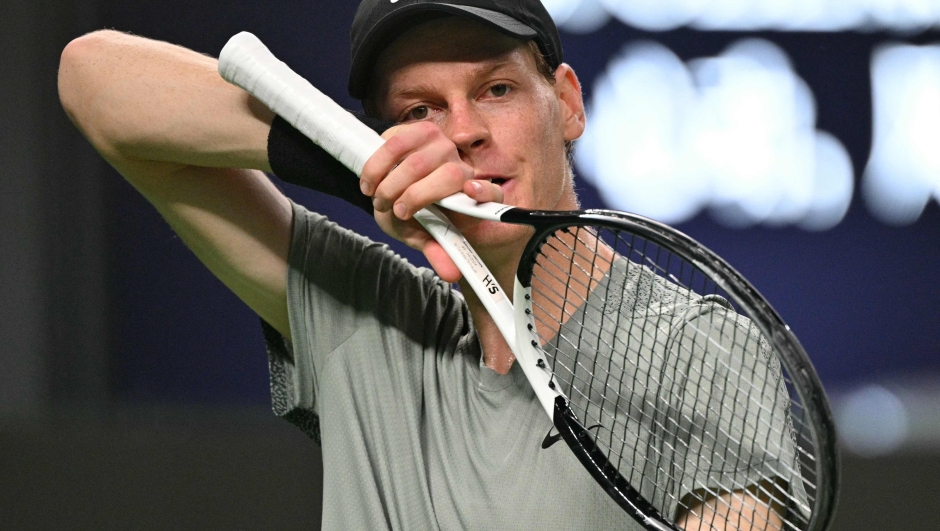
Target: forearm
{"x": 145, "y": 100}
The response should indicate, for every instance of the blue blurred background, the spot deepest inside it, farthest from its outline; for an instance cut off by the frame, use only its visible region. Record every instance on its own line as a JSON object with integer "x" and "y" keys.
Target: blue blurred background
{"x": 799, "y": 140}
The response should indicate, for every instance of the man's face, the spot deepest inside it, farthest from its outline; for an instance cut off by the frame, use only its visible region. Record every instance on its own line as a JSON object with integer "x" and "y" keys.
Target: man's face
{"x": 484, "y": 91}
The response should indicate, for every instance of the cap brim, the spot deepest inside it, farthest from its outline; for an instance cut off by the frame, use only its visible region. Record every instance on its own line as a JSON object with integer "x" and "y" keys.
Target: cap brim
{"x": 392, "y": 25}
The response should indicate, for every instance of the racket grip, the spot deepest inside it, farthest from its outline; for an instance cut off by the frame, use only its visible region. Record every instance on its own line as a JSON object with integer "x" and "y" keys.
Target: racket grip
{"x": 247, "y": 63}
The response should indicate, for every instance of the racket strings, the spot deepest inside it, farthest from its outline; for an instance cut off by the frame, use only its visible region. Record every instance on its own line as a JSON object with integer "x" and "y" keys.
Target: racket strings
{"x": 692, "y": 404}
{"x": 593, "y": 376}
{"x": 651, "y": 418}
{"x": 591, "y": 372}
{"x": 775, "y": 499}
{"x": 609, "y": 372}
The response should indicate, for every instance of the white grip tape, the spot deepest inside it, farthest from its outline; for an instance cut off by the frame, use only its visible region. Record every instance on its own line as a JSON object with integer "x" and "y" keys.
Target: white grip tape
{"x": 246, "y": 62}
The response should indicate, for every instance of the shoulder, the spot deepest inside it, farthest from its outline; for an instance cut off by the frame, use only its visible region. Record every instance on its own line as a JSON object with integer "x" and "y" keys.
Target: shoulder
{"x": 368, "y": 277}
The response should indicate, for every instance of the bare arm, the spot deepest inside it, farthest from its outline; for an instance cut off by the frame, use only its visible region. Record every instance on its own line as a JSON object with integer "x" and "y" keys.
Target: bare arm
{"x": 193, "y": 145}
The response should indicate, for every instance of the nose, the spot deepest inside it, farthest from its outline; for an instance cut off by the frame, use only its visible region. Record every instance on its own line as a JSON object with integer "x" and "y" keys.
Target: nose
{"x": 467, "y": 128}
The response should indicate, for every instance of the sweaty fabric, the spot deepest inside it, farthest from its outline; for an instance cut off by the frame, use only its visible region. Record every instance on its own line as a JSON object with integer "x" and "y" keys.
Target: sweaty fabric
{"x": 386, "y": 368}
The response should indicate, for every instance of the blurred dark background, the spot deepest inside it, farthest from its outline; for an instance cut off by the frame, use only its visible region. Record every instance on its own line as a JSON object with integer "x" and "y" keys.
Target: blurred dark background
{"x": 134, "y": 387}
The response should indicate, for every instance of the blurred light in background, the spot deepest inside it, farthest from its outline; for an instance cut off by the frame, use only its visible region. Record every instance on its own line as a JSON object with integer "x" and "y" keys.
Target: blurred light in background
{"x": 734, "y": 134}
{"x": 577, "y": 16}
{"x": 788, "y": 15}
{"x": 891, "y": 416}
{"x": 903, "y": 172}
{"x": 872, "y": 421}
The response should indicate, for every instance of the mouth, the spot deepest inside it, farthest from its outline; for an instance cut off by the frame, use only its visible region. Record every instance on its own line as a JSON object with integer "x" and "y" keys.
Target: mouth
{"x": 505, "y": 183}
{"x": 496, "y": 180}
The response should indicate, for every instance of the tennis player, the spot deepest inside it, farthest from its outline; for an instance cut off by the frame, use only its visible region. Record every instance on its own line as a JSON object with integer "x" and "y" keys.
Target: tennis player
{"x": 424, "y": 420}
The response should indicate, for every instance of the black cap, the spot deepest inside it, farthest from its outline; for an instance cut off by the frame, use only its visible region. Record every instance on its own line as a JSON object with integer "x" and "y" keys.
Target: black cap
{"x": 379, "y": 22}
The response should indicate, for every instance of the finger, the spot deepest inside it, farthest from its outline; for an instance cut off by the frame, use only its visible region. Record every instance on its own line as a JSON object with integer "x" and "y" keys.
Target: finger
{"x": 392, "y": 131}
{"x": 406, "y": 139}
{"x": 415, "y": 167}
{"x": 483, "y": 191}
{"x": 415, "y": 236}
{"x": 441, "y": 262}
{"x": 443, "y": 182}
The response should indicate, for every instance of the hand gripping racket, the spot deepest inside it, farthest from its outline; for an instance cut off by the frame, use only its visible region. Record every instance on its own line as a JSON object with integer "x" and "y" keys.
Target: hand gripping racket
{"x": 672, "y": 380}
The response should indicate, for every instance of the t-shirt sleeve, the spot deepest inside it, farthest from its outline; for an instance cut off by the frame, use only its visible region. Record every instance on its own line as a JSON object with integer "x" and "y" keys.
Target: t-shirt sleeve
{"x": 735, "y": 399}
{"x": 336, "y": 282}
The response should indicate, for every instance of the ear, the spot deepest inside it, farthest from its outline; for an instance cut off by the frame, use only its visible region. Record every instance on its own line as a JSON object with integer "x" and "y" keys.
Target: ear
{"x": 568, "y": 90}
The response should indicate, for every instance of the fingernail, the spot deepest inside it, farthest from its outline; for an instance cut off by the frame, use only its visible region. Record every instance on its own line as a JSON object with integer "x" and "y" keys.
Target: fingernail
{"x": 400, "y": 210}
{"x": 364, "y": 186}
{"x": 377, "y": 204}
{"x": 477, "y": 187}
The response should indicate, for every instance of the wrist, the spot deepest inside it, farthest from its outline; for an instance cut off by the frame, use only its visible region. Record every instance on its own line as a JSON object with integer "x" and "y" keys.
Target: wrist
{"x": 295, "y": 159}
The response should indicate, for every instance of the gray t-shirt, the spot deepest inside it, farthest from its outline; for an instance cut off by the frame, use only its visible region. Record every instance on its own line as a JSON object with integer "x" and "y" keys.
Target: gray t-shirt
{"x": 385, "y": 370}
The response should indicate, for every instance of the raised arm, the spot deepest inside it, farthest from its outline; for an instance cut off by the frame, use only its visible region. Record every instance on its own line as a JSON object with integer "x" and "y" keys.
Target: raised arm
{"x": 193, "y": 145}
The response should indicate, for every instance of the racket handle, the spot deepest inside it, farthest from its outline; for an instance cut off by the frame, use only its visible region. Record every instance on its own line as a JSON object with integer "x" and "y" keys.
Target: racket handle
{"x": 247, "y": 63}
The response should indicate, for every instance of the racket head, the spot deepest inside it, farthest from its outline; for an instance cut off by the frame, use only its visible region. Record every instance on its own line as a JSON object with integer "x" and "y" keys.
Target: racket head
{"x": 675, "y": 382}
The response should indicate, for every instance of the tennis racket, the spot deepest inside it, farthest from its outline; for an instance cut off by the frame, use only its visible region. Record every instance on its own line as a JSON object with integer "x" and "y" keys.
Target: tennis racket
{"x": 669, "y": 376}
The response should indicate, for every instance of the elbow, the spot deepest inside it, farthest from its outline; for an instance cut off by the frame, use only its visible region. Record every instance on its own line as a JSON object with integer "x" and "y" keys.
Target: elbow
{"x": 73, "y": 65}
{"x": 79, "y": 80}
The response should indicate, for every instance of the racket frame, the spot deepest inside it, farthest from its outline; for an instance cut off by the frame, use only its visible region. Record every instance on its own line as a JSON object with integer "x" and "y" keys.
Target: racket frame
{"x": 803, "y": 376}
